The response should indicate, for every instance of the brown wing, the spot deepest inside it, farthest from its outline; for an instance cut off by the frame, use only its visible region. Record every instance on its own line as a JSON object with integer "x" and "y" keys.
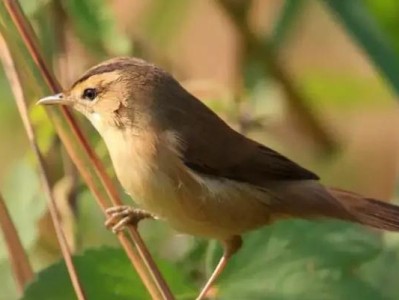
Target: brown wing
{"x": 211, "y": 147}
{"x": 261, "y": 166}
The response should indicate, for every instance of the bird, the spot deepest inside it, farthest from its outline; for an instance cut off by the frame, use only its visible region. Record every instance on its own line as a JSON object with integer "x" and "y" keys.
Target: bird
{"x": 181, "y": 163}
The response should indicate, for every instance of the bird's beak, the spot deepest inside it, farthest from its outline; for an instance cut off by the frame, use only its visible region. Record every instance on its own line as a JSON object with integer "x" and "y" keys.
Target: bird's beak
{"x": 54, "y": 99}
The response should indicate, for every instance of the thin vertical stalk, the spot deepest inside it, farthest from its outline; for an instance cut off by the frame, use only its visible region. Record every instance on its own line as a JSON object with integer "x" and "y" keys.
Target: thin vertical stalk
{"x": 16, "y": 88}
{"x": 20, "y": 264}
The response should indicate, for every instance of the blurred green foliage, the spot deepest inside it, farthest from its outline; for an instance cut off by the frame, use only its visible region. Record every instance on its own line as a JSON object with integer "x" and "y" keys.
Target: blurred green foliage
{"x": 364, "y": 29}
{"x": 288, "y": 260}
{"x": 93, "y": 16}
{"x": 386, "y": 12}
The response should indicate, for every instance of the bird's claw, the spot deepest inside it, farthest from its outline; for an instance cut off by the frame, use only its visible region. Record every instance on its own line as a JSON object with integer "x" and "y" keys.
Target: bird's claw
{"x": 121, "y": 216}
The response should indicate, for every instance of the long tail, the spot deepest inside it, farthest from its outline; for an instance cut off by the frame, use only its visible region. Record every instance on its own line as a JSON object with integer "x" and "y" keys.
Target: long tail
{"x": 366, "y": 211}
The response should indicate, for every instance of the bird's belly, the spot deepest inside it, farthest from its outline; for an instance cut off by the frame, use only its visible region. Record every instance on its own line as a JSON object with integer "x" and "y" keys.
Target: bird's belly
{"x": 213, "y": 209}
{"x": 217, "y": 221}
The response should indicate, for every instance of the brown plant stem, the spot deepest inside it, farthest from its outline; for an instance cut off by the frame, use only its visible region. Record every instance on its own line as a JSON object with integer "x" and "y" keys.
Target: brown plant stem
{"x": 68, "y": 194}
{"x": 143, "y": 263}
{"x": 20, "y": 264}
{"x": 16, "y": 88}
{"x": 261, "y": 48}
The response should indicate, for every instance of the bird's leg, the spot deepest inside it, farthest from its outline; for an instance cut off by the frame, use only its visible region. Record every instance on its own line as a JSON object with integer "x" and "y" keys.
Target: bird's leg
{"x": 230, "y": 246}
{"x": 121, "y": 216}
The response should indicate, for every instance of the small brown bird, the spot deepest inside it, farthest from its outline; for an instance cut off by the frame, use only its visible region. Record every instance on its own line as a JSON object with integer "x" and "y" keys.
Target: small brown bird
{"x": 181, "y": 163}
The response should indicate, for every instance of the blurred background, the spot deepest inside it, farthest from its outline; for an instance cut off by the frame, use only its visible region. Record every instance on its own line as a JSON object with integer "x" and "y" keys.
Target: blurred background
{"x": 316, "y": 80}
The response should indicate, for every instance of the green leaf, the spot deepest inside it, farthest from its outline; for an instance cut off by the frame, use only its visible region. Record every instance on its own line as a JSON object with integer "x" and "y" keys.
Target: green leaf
{"x": 105, "y": 273}
{"x": 302, "y": 260}
{"x": 359, "y": 23}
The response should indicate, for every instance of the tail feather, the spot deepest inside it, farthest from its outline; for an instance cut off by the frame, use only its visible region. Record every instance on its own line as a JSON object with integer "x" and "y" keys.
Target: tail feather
{"x": 367, "y": 211}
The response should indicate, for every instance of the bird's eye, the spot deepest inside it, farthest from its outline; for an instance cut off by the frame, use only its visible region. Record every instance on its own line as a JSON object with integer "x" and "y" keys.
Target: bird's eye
{"x": 89, "y": 94}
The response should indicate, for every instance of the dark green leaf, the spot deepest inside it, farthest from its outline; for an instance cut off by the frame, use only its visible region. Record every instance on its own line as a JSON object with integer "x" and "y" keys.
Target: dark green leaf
{"x": 302, "y": 260}
{"x": 105, "y": 273}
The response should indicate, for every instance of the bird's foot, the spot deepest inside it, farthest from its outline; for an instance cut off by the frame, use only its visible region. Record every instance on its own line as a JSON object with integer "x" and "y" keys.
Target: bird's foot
{"x": 121, "y": 216}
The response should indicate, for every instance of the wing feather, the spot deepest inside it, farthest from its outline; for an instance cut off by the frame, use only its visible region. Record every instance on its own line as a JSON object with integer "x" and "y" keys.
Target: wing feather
{"x": 211, "y": 147}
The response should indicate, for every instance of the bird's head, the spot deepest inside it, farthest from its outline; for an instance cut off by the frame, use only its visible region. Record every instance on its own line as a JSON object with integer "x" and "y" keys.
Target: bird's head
{"x": 120, "y": 92}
